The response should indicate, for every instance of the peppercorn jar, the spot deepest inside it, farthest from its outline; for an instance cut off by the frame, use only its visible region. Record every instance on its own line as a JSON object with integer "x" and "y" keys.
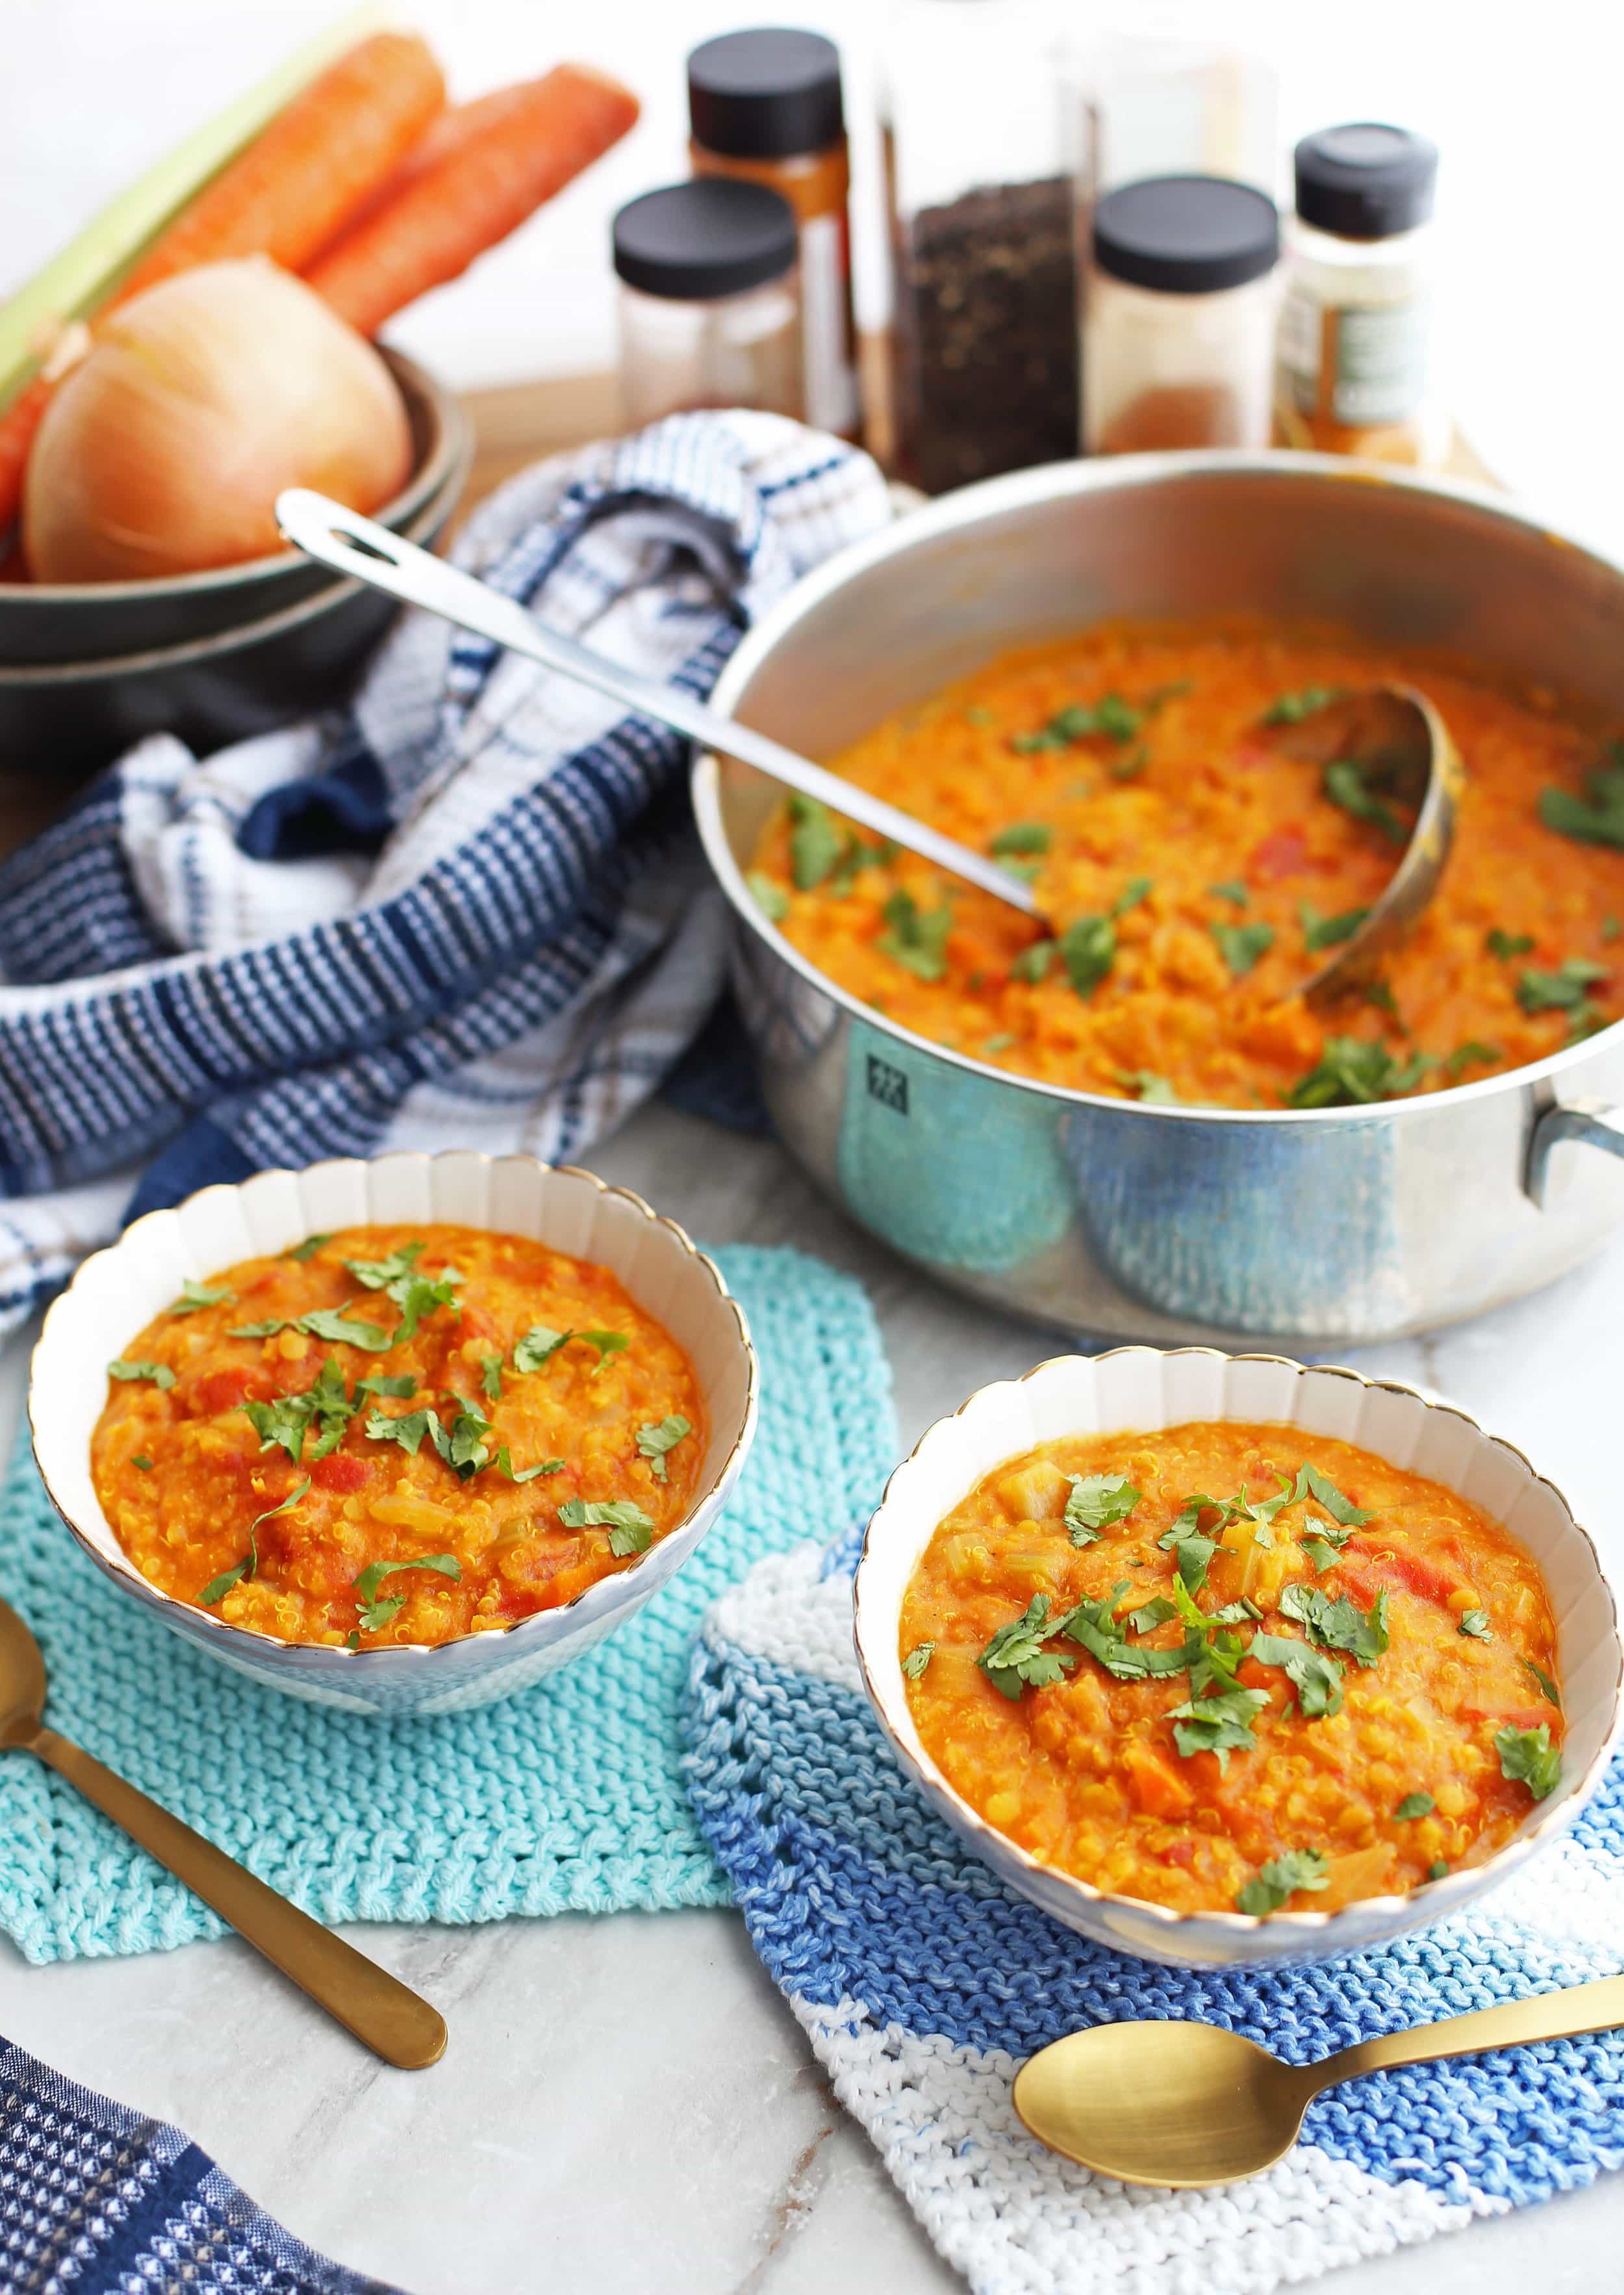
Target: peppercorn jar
{"x": 710, "y": 306}
{"x": 1180, "y": 306}
{"x": 978, "y": 142}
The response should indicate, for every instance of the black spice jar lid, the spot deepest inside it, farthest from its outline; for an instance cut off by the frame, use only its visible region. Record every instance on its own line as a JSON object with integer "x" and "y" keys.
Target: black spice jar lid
{"x": 766, "y": 94}
{"x": 698, "y": 241}
{"x": 1186, "y": 234}
{"x": 1365, "y": 181}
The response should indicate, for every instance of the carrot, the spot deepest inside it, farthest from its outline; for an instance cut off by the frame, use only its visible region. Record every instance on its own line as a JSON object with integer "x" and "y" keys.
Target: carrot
{"x": 486, "y": 170}
{"x": 1156, "y": 1788}
{"x": 287, "y": 195}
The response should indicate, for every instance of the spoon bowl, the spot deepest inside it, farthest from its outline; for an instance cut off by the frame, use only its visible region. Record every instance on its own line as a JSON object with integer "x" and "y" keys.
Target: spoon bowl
{"x": 22, "y": 1680}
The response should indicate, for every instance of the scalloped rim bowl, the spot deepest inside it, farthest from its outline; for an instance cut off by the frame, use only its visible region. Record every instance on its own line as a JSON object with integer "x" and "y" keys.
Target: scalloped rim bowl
{"x": 118, "y": 1291}
{"x": 1141, "y": 1389}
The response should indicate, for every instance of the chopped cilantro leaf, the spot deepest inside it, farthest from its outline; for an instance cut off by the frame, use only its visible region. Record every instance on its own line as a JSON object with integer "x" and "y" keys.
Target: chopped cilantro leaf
{"x": 334, "y": 1325}
{"x": 1016, "y": 1657}
{"x": 1564, "y": 990}
{"x": 1548, "y": 1687}
{"x": 1154, "y": 1612}
{"x": 221, "y": 1585}
{"x": 1528, "y": 1757}
{"x": 1413, "y": 1805}
{"x": 1328, "y": 931}
{"x": 1095, "y": 1501}
{"x": 1087, "y": 949}
{"x": 1096, "y": 1627}
{"x": 1240, "y": 945}
{"x": 408, "y": 1430}
{"x": 308, "y": 1248}
{"x": 1505, "y": 945}
{"x": 1354, "y": 1071}
{"x": 1021, "y": 837}
{"x": 1137, "y": 889}
{"x": 288, "y": 1418}
{"x": 814, "y": 843}
{"x": 141, "y": 1460}
{"x": 1597, "y": 818}
{"x": 1033, "y": 963}
{"x": 916, "y": 938}
{"x": 1436, "y": 1870}
{"x": 918, "y": 1658}
{"x": 490, "y": 1377}
{"x": 504, "y": 1465}
{"x": 160, "y": 1374}
{"x": 770, "y": 899}
{"x": 1345, "y": 784}
{"x": 1471, "y": 1054}
{"x": 631, "y": 1530}
{"x": 1152, "y": 1090}
{"x": 1291, "y": 708}
{"x": 1310, "y": 1483}
{"x": 1338, "y": 1624}
{"x": 1231, "y": 889}
{"x": 1318, "y": 1679}
{"x": 1221, "y": 1725}
{"x": 1282, "y": 1877}
{"x": 607, "y": 1343}
{"x": 377, "y": 1611}
{"x": 379, "y": 1274}
{"x": 1475, "y": 1623}
{"x": 538, "y": 1346}
{"x": 194, "y": 1295}
{"x": 654, "y": 1442}
{"x": 995, "y": 1044}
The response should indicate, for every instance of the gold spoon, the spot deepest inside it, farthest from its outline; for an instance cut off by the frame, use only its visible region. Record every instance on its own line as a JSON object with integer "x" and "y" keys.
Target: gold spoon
{"x": 1188, "y": 2105}
{"x": 1395, "y": 735}
{"x": 392, "y": 2021}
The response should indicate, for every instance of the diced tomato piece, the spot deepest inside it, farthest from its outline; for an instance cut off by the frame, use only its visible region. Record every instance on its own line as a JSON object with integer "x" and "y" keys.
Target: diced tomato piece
{"x": 1252, "y": 1673}
{"x": 1524, "y": 1717}
{"x": 222, "y": 1390}
{"x": 1283, "y": 852}
{"x": 1412, "y": 1571}
{"x": 341, "y": 1470}
{"x": 1156, "y": 1787}
{"x": 1179, "y": 1852}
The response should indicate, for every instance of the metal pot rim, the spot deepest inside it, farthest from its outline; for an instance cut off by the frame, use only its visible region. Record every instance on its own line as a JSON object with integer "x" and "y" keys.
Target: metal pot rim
{"x": 965, "y": 507}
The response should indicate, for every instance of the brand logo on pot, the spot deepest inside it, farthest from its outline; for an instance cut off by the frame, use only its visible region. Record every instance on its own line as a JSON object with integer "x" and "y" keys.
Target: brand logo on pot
{"x": 888, "y": 1085}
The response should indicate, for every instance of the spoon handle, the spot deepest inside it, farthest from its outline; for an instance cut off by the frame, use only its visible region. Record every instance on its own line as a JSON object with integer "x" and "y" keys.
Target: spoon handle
{"x": 355, "y": 545}
{"x": 1548, "y": 2016}
{"x": 391, "y": 2020}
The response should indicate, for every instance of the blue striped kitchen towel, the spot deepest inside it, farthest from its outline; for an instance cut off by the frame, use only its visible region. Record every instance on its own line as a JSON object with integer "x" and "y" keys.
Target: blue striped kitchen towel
{"x": 923, "y": 1983}
{"x": 96, "y": 2197}
{"x": 470, "y": 910}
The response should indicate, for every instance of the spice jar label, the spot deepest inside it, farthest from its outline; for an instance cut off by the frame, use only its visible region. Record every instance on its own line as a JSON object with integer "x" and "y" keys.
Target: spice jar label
{"x": 1360, "y": 366}
{"x": 831, "y": 378}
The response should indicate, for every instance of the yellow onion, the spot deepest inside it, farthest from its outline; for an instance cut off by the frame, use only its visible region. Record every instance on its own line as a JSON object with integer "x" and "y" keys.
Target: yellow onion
{"x": 163, "y": 451}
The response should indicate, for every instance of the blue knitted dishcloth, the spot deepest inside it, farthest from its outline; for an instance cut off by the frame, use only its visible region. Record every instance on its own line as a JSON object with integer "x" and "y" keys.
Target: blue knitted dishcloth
{"x": 567, "y": 1798}
{"x": 922, "y": 1983}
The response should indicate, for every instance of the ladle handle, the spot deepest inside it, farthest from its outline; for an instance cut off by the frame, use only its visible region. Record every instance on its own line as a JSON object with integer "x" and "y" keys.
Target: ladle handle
{"x": 380, "y": 2011}
{"x": 1514, "y": 2024}
{"x": 355, "y": 545}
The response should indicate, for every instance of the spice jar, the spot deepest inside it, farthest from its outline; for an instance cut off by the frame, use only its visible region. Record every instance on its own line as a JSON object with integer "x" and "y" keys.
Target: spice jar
{"x": 710, "y": 306}
{"x": 1353, "y": 374}
{"x": 765, "y": 106}
{"x": 978, "y": 175}
{"x": 1179, "y": 307}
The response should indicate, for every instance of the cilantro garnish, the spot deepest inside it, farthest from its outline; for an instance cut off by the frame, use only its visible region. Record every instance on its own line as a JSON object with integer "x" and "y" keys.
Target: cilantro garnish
{"x": 1016, "y": 1657}
{"x": 160, "y": 1374}
{"x": 218, "y": 1587}
{"x": 1021, "y": 837}
{"x": 308, "y": 1248}
{"x": 336, "y": 1325}
{"x": 1033, "y": 963}
{"x": 607, "y": 1343}
{"x": 1110, "y": 716}
{"x": 397, "y": 1277}
{"x": 1436, "y": 1870}
{"x": 141, "y": 1460}
{"x": 770, "y": 899}
{"x": 1528, "y": 1757}
{"x": 1476, "y": 1623}
{"x": 504, "y": 1465}
{"x": 194, "y": 1295}
{"x": 1413, "y": 1805}
{"x": 490, "y": 1377}
{"x": 538, "y": 1346}
{"x": 1096, "y": 1628}
{"x": 814, "y": 843}
{"x": 631, "y": 1530}
{"x": 325, "y": 1404}
{"x": 654, "y": 1441}
{"x": 1291, "y": 708}
{"x": 1471, "y": 1054}
{"x": 378, "y": 1610}
{"x": 1137, "y": 889}
{"x": 1310, "y": 1483}
{"x": 918, "y": 1658}
{"x": 1156, "y": 1612}
{"x": 1095, "y": 1501}
{"x": 998, "y": 1044}
{"x": 1354, "y": 1071}
{"x": 1150, "y": 1088}
{"x": 1338, "y": 1624}
{"x": 854, "y": 858}
{"x": 1231, "y": 889}
{"x": 1317, "y": 1679}
{"x": 1548, "y": 1687}
{"x": 1088, "y": 951}
{"x": 1328, "y": 931}
{"x": 1345, "y": 784}
{"x": 1296, "y": 1868}
{"x": 408, "y": 1429}
{"x": 1240, "y": 945}
{"x": 1221, "y": 1725}
{"x": 1565, "y": 991}
{"x": 1597, "y": 818}
{"x": 1505, "y": 945}
{"x": 463, "y": 1444}
{"x": 379, "y": 1274}
{"x": 916, "y": 938}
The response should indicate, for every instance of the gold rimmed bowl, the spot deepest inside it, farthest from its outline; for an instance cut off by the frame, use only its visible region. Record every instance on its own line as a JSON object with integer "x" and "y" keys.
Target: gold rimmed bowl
{"x": 118, "y": 1290}
{"x": 1141, "y": 1389}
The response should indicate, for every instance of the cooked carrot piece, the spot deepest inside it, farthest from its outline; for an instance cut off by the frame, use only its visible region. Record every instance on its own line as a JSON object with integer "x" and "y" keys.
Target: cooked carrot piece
{"x": 1156, "y": 1786}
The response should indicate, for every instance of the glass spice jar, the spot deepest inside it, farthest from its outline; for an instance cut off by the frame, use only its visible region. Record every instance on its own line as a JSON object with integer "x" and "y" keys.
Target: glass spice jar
{"x": 1178, "y": 316}
{"x": 710, "y": 306}
{"x": 1354, "y": 364}
{"x": 766, "y": 106}
{"x": 979, "y": 169}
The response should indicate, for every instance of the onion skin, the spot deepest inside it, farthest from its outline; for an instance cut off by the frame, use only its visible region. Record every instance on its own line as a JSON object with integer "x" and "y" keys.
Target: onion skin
{"x": 164, "y": 451}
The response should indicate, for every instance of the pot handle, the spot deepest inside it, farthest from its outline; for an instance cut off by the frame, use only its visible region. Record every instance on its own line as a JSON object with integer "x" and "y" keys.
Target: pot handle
{"x": 1588, "y": 1123}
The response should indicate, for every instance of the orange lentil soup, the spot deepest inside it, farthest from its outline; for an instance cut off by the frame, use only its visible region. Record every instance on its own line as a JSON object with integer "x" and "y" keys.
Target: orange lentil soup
{"x": 1142, "y": 776}
{"x": 396, "y": 1434}
{"x": 1233, "y": 1667}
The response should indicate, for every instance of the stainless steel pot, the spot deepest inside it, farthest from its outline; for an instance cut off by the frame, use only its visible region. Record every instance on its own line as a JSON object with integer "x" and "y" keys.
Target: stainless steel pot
{"x": 1309, "y": 1228}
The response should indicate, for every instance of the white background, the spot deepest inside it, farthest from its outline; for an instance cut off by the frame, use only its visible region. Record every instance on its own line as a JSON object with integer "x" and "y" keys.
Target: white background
{"x": 1524, "y": 101}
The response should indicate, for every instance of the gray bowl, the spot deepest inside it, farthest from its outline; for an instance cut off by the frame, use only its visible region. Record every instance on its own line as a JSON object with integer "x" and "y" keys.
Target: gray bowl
{"x": 81, "y": 622}
{"x": 65, "y": 720}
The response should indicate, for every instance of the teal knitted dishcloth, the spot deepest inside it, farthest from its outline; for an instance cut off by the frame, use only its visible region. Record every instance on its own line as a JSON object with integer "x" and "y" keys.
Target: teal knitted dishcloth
{"x": 567, "y": 1798}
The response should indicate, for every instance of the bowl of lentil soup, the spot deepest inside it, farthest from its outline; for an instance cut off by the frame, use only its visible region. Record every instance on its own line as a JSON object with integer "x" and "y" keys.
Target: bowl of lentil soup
{"x": 1134, "y": 1127}
{"x": 399, "y": 1436}
{"x": 1221, "y": 1659}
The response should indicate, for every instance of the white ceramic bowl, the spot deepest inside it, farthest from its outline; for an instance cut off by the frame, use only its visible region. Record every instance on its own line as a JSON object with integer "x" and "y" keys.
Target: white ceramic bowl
{"x": 1139, "y": 1389}
{"x": 118, "y": 1291}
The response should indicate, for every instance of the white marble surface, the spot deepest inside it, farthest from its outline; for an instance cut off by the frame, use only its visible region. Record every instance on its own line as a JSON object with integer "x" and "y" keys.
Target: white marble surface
{"x": 626, "y": 2106}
